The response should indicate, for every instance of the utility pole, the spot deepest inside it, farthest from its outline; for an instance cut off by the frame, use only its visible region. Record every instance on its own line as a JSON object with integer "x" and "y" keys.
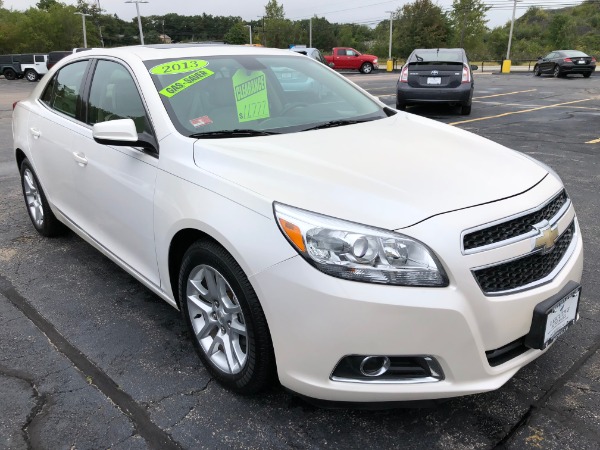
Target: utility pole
{"x": 137, "y": 7}
{"x": 390, "y": 63}
{"x": 250, "y": 29}
{"x": 310, "y": 32}
{"x": 512, "y": 25}
{"x": 83, "y": 15}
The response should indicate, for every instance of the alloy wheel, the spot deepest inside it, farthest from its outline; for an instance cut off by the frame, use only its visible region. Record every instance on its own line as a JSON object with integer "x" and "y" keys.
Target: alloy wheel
{"x": 33, "y": 198}
{"x": 217, "y": 319}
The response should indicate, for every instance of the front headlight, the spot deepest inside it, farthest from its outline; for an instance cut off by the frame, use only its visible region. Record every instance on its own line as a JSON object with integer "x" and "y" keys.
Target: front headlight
{"x": 358, "y": 252}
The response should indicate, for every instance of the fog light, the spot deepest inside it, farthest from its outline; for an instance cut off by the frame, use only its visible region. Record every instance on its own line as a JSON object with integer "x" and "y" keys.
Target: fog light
{"x": 374, "y": 366}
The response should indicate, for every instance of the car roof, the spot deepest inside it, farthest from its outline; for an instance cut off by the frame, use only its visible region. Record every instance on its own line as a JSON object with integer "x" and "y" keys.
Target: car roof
{"x": 173, "y": 51}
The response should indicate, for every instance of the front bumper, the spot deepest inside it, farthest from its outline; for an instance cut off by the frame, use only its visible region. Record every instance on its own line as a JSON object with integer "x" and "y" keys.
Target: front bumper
{"x": 407, "y": 95}
{"x": 315, "y": 320}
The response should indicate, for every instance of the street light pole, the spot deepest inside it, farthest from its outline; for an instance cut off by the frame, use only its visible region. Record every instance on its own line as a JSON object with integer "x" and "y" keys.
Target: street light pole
{"x": 512, "y": 24}
{"x": 84, "y": 30}
{"x": 310, "y": 32}
{"x": 137, "y": 7}
{"x": 390, "y": 47}
{"x": 250, "y": 29}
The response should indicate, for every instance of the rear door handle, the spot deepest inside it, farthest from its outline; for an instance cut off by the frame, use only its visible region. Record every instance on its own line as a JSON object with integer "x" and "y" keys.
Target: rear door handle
{"x": 80, "y": 158}
{"x": 35, "y": 133}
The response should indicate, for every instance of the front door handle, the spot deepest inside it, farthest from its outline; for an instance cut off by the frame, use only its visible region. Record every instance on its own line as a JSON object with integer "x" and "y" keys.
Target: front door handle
{"x": 80, "y": 158}
{"x": 35, "y": 133}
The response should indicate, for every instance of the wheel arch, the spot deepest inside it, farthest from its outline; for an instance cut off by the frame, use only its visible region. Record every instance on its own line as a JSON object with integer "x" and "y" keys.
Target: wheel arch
{"x": 181, "y": 241}
{"x": 19, "y": 156}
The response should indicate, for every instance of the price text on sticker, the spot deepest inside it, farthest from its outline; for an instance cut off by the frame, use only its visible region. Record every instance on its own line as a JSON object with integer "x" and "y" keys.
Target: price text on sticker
{"x": 251, "y": 99}
{"x": 186, "y": 82}
{"x": 181, "y": 66}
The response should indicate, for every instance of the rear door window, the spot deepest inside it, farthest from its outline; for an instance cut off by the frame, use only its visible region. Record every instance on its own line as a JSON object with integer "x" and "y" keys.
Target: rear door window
{"x": 63, "y": 93}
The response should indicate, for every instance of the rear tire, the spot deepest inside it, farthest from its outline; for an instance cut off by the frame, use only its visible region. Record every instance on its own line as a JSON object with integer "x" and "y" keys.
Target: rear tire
{"x": 556, "y": 73}
{"x": 42, "y": 217}
{"x": 587, "y": 75}
{"x": 224, "y": 317}
{"x": 465, "y": 110}
{"x": 400, "y": 107}
{"x": 366, "y": 67}
{"x": 31, "y": 75}
{"x": 10, "y": 74}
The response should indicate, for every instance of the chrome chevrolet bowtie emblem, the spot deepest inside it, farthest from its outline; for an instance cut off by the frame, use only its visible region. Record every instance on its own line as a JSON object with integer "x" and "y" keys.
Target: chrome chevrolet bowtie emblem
{"x": 434, "y": 72}
{"x": 546, "y": 238}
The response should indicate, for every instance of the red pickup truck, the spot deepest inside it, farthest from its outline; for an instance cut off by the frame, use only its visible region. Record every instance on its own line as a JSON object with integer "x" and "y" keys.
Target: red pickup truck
{"x": 348, "y": 58}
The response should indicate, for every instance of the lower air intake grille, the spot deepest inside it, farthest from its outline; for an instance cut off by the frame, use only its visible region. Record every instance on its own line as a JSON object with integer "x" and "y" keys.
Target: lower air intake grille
{"x": 523, "y": 271}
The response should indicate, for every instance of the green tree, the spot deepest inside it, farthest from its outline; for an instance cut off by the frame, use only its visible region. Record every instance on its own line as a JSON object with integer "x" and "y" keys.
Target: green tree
{"x": 278, "y": 30}
{"x": 421, "y": 24}
{"x": 469, "y": 24}
{"x": 561, "y": 32}
{"x": 237, "y": 34}
{"x": 46, "y": 4}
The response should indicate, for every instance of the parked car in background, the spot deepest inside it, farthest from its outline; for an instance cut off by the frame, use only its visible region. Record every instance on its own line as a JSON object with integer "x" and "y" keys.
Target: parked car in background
{"x": 433, "y": 264}
{"x": 348, "y": 58}
{"x": 56, "y": 56}
{"x": 33, "y": 66}
{"x": 311, "y": 52}
{"x": 10, "y": 67}
{"x": 565, "y": 62}
{"x": 436, "y": 75}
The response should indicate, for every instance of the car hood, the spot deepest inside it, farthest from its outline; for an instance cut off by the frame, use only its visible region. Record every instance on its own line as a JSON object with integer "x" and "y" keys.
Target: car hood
{"x": 390, "y": 173}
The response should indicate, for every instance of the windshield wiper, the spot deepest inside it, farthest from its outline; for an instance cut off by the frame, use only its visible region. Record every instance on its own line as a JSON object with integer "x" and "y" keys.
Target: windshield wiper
{"x": 337, "y": 123}
{"x": 238, "y": 132}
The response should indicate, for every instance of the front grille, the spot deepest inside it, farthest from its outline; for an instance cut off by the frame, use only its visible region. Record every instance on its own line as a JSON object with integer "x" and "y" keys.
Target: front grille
{"x": 515, "y": 227}
{"x": 523, "y": 271}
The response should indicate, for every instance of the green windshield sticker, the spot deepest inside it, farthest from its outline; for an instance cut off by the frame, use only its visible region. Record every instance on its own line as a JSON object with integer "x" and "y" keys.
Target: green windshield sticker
{"x": 186, "y": 82}
{"x": 181, "y": 66}
{"x": 251, "y": 100}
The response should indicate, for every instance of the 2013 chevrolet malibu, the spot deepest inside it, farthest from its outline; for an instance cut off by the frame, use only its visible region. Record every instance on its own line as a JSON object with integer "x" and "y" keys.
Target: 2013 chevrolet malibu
{"x": 298, "y": 236}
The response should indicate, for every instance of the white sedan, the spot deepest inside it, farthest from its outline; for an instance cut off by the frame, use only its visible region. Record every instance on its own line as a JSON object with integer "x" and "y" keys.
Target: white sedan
{"x": 354, "y": 252}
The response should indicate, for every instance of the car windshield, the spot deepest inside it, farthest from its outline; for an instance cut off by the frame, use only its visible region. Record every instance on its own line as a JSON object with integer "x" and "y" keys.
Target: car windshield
{"x": 436, "y": 56}
{"x": 264, "y": 94}
{"x": 573, "y": 53}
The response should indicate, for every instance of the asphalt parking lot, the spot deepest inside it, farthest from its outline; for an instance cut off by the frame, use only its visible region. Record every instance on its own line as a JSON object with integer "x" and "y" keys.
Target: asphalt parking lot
{"x": 89, "y": 358}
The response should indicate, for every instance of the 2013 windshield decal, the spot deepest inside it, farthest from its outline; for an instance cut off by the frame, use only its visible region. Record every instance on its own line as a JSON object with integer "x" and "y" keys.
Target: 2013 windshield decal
{"x": 179, "y": 66}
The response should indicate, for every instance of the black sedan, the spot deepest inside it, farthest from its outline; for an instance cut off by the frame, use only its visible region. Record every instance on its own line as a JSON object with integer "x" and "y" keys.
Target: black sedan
{"x": 436, "y": 75}
{"x": 563, "y": 62}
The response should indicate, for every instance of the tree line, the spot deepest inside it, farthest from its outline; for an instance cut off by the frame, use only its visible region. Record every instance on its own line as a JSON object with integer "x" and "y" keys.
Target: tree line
{"x": 53, "y": 25}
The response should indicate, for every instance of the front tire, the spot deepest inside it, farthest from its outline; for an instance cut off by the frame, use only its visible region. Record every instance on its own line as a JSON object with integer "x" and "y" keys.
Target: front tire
{"x": 556, "y": 73}
{"x": 222, "y": 312}
{"x": 10, "y": 74}
{"x": 31, "y": 75}
{"x": 42, "y": 217}
{"x": 366, "y": 67}
{"x": 536, "y": 71}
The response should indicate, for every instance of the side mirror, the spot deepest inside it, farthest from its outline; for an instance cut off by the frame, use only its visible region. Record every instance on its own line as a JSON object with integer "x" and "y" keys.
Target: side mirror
{"x": 121, "y": 132}
{"x": 474, "y": 67}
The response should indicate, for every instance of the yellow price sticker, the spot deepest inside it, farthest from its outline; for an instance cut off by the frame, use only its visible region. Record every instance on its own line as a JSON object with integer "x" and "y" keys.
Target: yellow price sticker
{"x": 180, "y": 66}
{"x": 185, "y": 82}
{"x": 251, "y": 99}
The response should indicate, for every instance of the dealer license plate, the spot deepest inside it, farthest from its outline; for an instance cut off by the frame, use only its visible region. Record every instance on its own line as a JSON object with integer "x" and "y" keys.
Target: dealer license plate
{"x": 561, "y": 316}
{"x": 434, "y": 80}
{"x": 552, "y": 318}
